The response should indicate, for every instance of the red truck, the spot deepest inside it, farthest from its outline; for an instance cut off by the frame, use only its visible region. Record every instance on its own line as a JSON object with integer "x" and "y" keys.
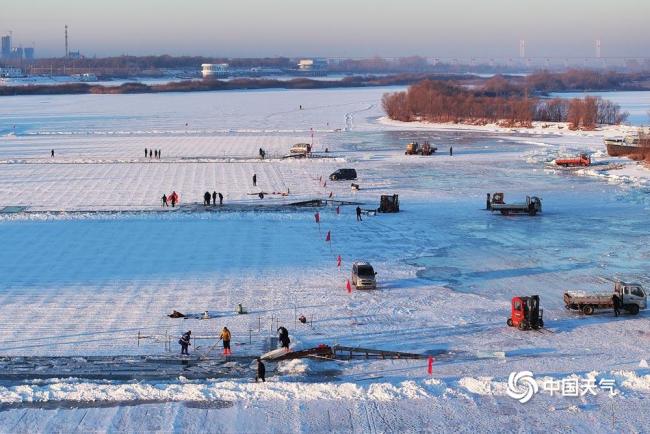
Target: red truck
{"x": 580, "y": 160}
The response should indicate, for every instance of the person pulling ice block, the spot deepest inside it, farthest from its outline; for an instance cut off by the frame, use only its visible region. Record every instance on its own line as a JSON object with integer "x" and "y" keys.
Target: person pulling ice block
{"x": 185, "y": 342}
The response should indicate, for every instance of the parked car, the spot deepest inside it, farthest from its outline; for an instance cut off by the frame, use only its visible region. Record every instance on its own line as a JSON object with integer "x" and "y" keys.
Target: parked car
{"x": 343, "y": 174}
{"x": 363, "y": 275}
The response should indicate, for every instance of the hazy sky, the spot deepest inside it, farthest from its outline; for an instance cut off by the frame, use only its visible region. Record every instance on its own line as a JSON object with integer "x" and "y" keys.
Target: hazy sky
{"x": 352, "y": 28}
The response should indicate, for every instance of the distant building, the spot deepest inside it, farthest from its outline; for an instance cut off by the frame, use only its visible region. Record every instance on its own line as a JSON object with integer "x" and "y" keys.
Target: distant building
{"x": 6, "y": 47}
{"x": 10, "y": 72}
{"x": 311, "y": 64}
{"x": 311, "y": 67}
{"x": 75, "y": 55}
{"x": 29, "y": 53}
{"x": 17, "y": 53}
{"x": 212, "y": 70}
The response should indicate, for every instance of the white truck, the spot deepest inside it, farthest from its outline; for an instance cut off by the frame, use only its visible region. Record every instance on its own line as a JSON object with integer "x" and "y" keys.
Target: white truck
{"x": 632, "y": 295}
{"x": 531, "y": 206}
{"x": 300, "y": 149}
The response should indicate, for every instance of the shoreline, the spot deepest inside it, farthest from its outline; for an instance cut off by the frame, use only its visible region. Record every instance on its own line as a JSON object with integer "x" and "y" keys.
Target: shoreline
{"x": 212, "y": 85}
{"x": 538, "y": 128}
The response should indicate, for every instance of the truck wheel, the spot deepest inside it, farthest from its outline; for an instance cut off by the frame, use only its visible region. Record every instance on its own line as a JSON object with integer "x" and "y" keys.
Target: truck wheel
{"x": 509, "y": 322}
{"x": 532, "y": 213}
{"x": 523, "y": 325}
{"x": 588, "y": 310}
{"x": 633, "y": 309}
{"x": 541, "y": 324}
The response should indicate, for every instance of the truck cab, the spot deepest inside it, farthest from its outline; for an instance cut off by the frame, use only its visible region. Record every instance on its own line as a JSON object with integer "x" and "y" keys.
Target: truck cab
{"x": 633, "y": 296}
{"x": 363, "y": 275}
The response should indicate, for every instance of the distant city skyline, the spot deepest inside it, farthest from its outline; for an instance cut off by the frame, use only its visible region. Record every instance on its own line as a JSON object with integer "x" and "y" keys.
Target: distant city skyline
{"x": 333, "y": 28}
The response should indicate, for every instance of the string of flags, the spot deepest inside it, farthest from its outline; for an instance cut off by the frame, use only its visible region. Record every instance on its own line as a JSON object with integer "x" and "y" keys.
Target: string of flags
{"x": 328, "y": 236}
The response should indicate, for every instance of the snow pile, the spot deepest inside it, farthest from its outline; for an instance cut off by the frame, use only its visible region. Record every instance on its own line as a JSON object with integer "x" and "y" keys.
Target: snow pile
{"x": 478, "y": 386}
{"x": 186, "y": 390}
{"x": 633, "y": 381}
{"x": 293, "y": 367}
{"x": 75, "y": 390}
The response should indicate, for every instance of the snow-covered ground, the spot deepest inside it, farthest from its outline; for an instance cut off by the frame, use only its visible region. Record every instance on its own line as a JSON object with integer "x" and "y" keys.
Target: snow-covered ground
{"x": 93, "y": 261}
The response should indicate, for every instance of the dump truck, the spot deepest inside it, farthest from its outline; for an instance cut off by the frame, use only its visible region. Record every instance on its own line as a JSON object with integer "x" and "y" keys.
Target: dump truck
{"x": 632, "y": 295}
{"x": 414, "y": 148}
{"x": 580, "y": 160}
{"x": 525, "y": 313}
{"x": 531, "y": 206}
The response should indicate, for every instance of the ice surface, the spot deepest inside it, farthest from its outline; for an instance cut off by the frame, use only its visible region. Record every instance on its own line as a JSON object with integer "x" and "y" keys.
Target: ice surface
{"x": 95, "y": 260}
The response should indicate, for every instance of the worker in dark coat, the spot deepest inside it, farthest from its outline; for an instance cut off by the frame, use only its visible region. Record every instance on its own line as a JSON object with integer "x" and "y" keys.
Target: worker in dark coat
{"x": 359, "y": 214}
{"x": 214, "y": 198}
{"x": 164, "y": 200}
{"x": 185, "y": 342}
{"x": 451, "y": 151}
{"x": 220, "y": 198}
{"x": 206, "y": 198}
{"x": 254, "y": 179}
{"x": 146, "y": 152}
{"x": 261, "y": 371}
{"x": 283, "y": 335}
{"x": 616, "y": 301}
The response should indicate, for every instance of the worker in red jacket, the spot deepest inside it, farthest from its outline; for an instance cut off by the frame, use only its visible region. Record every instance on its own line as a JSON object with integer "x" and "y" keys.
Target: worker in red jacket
{"x": 173, "y": 198}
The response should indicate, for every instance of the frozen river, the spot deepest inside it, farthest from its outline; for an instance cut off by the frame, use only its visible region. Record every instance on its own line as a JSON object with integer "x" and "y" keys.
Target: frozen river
{"x": 95, "y": 260}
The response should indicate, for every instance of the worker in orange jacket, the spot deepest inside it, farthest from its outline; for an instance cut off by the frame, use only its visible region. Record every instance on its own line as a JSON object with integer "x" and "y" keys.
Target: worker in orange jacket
{"x": 225, "y": 337}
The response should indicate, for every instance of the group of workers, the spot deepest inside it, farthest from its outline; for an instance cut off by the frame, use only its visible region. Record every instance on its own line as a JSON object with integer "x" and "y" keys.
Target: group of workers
{"x": 225, "y": 336}
{"x": 152, "y": 153}
{"x": 214, "y": 195}
{"x": 173, "y": 198}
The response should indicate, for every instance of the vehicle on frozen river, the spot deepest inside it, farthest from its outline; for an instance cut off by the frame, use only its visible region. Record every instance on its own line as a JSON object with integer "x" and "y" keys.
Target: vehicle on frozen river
{"x": 632, "y": 295}
{"x": 531, "y": 206}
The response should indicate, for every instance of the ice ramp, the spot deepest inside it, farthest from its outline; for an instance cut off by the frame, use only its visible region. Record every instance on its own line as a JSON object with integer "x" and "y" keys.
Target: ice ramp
{"x": 338, "y": 352}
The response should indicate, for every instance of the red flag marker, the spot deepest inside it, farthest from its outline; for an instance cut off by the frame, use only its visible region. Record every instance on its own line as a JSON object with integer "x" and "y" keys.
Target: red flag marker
{"x": 328, "y": 237}
{"x": 348, "y": 286}
{"x": 325, "y": 184}
{"x": 430, "y": 367}
{"x": 338, "y": 210}
{"x": 317, "y": 217}
{"x": 331, "y": 194}
{"x": 338, "y": 261}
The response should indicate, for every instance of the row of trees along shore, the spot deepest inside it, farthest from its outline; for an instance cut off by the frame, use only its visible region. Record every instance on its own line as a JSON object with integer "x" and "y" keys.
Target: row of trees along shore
{"x": 496, "y": 102}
